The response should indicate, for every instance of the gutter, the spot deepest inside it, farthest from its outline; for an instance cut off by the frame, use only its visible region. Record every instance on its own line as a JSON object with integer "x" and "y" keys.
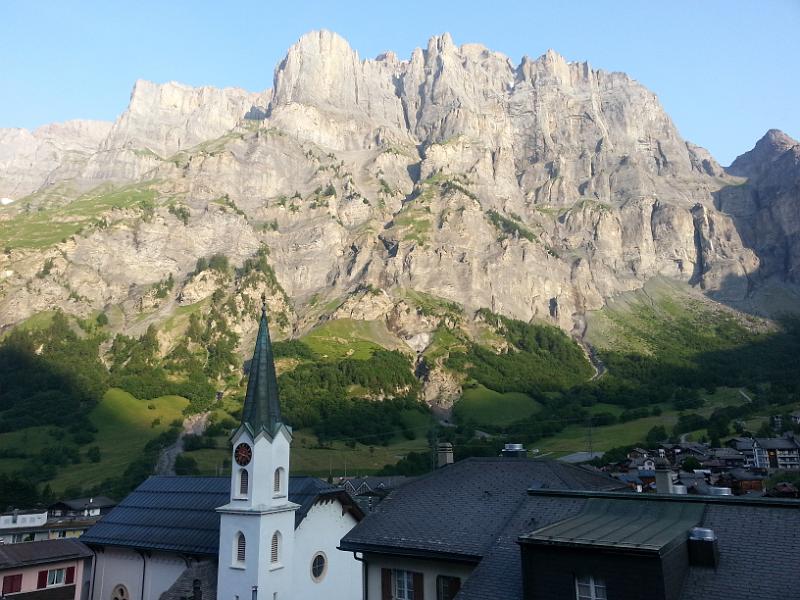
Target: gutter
{"x": 365, "y": 570}
{"x": 409, "y": 552}
{"x": 144, "y": 569}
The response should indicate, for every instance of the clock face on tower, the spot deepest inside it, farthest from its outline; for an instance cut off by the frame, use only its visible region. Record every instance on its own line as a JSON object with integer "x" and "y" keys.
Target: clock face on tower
{"x": 243, "y": 454}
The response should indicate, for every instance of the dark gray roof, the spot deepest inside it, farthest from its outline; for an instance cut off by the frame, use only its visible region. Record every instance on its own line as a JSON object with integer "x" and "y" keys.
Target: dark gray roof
{"x": 776, "y": 443}
{"x": 759, "y": 549}
{"x": 459, "y": 511}
{"x": 179, "y": 513}
{"x": 262, "y": 410}
{"x": 88, "y": 502}
{"x": 623, "y": 524}
{"x": 499, "y": 575}
{"x": 13, "y": 556}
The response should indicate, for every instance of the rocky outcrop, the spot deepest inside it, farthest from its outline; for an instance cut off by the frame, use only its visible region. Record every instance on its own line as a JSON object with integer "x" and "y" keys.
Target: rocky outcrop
{"x": 52, "y": 153}
{"x": 766, "y": 207}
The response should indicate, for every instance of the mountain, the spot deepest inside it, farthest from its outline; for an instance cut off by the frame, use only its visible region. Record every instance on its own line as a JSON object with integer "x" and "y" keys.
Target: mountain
{"x": 538, "y": 190}
{"x": 766, "y": 208}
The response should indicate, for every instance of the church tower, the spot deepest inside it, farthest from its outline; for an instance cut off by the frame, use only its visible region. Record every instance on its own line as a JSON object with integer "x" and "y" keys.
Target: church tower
{"x": 257, "y": 526}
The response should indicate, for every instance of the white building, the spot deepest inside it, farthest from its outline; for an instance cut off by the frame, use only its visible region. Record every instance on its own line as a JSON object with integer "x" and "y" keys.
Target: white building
{"x": 257, "y": 535}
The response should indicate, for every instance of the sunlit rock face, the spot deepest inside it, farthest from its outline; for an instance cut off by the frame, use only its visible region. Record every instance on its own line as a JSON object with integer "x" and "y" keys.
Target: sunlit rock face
{"x": 537, "y": 189}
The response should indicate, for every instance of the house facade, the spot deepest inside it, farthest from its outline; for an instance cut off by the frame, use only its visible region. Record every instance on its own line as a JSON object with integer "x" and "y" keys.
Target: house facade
{"x": 258, "y": 534}
{"x": 47, "y": 570}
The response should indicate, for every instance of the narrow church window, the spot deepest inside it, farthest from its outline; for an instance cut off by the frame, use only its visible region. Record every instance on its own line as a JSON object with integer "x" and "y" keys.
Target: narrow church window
{"x": 244, "y": 482}
{"x": 278, "y": 477}
{"x": 240, "y": 547}
{"x": 276, "y": 537}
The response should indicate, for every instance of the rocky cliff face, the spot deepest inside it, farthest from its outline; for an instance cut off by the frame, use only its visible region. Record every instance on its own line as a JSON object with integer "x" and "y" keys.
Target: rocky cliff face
{"x": 538, "y": 190}
{"x": 766, "y": 207}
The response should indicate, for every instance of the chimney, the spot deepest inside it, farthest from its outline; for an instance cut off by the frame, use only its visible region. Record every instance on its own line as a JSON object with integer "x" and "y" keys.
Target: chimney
{"x": 703, "y": 548}
{"x": 514, "y": 450}
{"x": 444, "y": 455}
{"x": 663, "y": 478}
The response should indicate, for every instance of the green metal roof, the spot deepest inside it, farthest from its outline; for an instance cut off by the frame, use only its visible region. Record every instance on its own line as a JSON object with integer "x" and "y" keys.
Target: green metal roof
{"x": 624, "y": 525}
{"x": 262, "y": 410}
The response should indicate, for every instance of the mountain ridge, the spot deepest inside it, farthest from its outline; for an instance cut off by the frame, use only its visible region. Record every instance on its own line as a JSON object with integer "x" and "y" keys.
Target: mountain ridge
{"x": 538, "y": 190}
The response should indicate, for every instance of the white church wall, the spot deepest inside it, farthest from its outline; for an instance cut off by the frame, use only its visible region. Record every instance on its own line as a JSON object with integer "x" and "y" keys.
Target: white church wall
{"x": 321, "y": 530}
{"x": 121, "y": 566}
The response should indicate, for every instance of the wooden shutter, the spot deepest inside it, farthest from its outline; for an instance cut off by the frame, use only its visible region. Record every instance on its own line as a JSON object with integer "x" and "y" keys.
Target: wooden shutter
{"x": 41, "y": 582}
{"x": 386, "y": 584}
{"x": 12, "y": 584}
{"x": 244, "y": 482}
{"x": 240, "y": 548}
{"x": 419, "y": 589}
{"x": 70, "y": 575}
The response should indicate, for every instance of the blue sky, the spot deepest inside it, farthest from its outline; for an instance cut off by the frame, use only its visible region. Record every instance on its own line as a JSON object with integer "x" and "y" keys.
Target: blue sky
{"x": 726, "y": 71}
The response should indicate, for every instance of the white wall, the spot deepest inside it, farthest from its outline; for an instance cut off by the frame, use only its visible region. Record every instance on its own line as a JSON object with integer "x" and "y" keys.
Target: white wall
{"x": 429, "y": 569}
{"x": 321, "y": 530}
{"x": 116, "y": 566}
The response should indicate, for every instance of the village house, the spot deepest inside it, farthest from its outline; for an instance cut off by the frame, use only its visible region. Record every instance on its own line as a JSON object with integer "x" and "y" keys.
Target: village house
{"x": 569, "y": 534}
{"x": 441, "y": 532}
{"x": 258, "y": 534}
{"x": 82, "y": 507}
{"x": 47, "y": 570}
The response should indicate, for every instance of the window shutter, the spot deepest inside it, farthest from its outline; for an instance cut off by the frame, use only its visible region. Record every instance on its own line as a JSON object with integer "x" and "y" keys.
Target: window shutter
{"x": 386, "y": 584}
{"x": 70, "y": 575}
{"x": 419, "y": 590}
{"x": 240, "y": 548}
{"x": 41, "y": 582}
{"x": 244, "y": 482}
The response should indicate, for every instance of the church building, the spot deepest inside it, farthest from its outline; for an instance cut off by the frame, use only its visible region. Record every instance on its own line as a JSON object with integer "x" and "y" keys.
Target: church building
{"x": 259, "y": 534}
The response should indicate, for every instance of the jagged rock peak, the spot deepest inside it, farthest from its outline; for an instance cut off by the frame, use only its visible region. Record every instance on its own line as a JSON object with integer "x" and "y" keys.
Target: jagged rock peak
{"x": 771, "y": 146}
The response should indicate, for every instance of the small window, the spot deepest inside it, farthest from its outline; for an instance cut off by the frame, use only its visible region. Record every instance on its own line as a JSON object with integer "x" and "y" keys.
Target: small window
{"x": 275, "y": 553}
{"x": 120, "y": 593}
{"x": 403, "y": 585}
{"x": 241, "y": 548}
{"x": 277, "y": 480}
{"x": 590, "y": 588}
{"x": 244, "y": 482}
{"x": 319, "y": 566}
{"x": 56, "y": 577}
{"x": 447, "y": 587}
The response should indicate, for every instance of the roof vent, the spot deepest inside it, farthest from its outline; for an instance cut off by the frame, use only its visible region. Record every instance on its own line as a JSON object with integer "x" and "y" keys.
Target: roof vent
{"x": 514, "y": 450}
{"x": 703, "y": 548}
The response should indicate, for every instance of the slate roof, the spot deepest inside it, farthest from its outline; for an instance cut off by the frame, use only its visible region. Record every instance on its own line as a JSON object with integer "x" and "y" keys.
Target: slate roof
{"x": 14, "y": 556}
{"x": 459, "y": 511}
{"x": 88, "y": 502}
{"x": 758, "y": 554}
{"x": 776, "y": 443}
{"x": 179, "y": 513}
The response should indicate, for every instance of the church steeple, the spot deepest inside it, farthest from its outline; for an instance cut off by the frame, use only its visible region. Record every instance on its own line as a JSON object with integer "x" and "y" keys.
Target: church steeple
{"x": 262, "y": 410}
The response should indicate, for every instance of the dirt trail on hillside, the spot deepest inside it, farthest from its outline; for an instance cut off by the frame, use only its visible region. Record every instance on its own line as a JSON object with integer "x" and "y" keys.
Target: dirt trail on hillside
{"x": 192, "y": 425}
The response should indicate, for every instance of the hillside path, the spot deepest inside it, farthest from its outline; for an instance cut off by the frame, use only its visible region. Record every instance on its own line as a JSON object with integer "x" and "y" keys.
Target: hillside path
{"x": 192, "y": 425}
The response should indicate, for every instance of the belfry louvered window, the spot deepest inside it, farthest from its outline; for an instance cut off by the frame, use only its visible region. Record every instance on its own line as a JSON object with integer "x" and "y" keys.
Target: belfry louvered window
{"x": 277, "y": 480}
{"x": 241, "y": 548}
{"x": 275, "y": 554}
{"x": 244, "y": 482}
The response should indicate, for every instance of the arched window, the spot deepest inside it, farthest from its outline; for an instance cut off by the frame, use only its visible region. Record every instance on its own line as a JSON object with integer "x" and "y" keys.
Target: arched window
{"x": 278, "y": 480}
{"x": 276, "y": 543}
{"x": 244, "y": 482}
{"x": 241, "y": 548}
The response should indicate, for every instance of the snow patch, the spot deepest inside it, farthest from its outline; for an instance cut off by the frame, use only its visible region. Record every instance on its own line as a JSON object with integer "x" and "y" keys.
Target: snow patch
{"x": 6, "y": 201}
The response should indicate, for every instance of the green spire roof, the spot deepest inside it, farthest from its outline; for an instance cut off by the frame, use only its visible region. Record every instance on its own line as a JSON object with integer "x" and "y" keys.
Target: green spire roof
{"x": 262, "y": 409}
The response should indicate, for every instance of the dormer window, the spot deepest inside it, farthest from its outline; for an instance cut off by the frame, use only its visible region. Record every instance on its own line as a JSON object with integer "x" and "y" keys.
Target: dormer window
{"x": 588, "y": 587}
